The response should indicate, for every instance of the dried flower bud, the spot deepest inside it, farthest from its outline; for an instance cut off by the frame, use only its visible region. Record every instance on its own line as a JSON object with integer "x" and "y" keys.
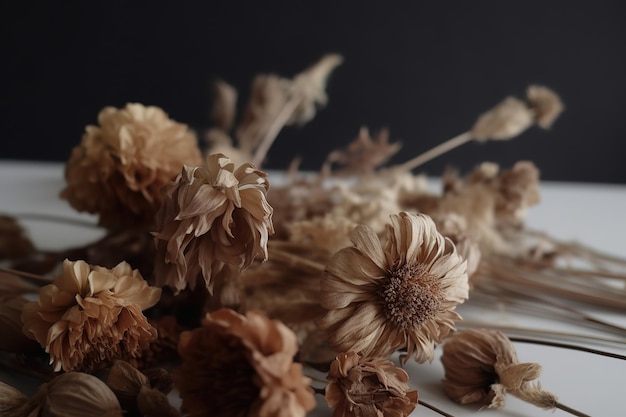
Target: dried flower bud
{"x": 241, "y": 365}
{"x": 90, "y": 316}
{"x": 503, "y": 122}
{"x": 545, "y": 103}
{"x": 368, "y": 387}
{"x": 481, "y": 366}
{"x": 12, "y": 402}
{"x": 121, "y": 165}
{"x": 212, "y": 215}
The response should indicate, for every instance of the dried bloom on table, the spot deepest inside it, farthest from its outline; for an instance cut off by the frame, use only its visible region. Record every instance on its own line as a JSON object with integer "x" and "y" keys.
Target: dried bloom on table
{"x": 364, "y": 154}
{"x": 545, "y": 103}
{"x": 241, "y": 365}
{"x": 134, "y": 391}
{"x": 121, "y": 165}
{"x": 518, "y": 189}
{"x": 400, "y": 297}
{"x": 368, "y": 387}
{"x": 503, "y": 122}
{"x": 212, "y": 215}
{"x": 481, "y": 366}
{"x": 90, "y": 316}
{"x": 76, "y": 394}
{"x": 13, "y": 240}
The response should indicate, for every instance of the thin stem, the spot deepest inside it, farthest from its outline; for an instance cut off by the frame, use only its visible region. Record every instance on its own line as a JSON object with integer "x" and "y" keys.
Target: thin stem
{"x": 280, "y": 255}
{"x": 571, "y": 410}
{"x": 435, "y": 409}
{"x": 436, "y": 151}
{"x": 567, "y": 346}
{"x": 278, "y": 123}
{"x": 56, "y": 219}
{"x": 37, "y": 279}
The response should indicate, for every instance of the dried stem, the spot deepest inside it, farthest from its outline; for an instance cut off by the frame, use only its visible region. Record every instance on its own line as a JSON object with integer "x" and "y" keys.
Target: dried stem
{"x": 37, "y": 279}
{"x": 56, "y": 219}
{"x": 567, "y": 346}
{"x": 571, "y": 410}
{"x": 435, "y": 409}
{"x": 278, "y": 123}
{"x": 435, "y": 152}
{"x": 290, "y": 258}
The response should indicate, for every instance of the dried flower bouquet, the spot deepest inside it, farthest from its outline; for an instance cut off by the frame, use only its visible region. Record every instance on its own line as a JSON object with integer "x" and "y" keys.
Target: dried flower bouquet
{"x": 238, "y": 294}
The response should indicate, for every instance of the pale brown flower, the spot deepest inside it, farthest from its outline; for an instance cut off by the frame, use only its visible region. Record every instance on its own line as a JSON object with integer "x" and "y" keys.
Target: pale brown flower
{"x": 90, "y": 316}
{"x": 518, "y": 189}
{"x": 506, "y": 120}
{"x": 402, "y": 296}
{"x": 545, "y": 103}
{"x": 481, "y": 366}
{"x": 235, "y": 365}
{"x": 120, "y": 166}
{"x": 368, "y": 387}
{"x": 212, "y": 215}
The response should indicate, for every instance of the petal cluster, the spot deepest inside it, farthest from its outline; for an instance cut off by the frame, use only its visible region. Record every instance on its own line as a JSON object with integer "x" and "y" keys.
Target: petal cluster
{"x": 235, "y": 365}
{"x": 90, "y": 316}
{"x": 121, "y": 165}
{"x": 212, "y": 215}
{"x": 402, "y": 296}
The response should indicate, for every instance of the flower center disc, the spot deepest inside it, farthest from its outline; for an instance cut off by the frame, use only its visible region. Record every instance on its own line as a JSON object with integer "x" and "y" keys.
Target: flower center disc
{"x": 411, "y": 296}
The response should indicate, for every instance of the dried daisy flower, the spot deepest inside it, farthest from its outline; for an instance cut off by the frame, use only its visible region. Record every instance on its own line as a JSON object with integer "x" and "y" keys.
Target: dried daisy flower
{"x": 212, "y": 215}
{"x": 400, "y": 297}
{"x": 545, "y": 103}
{"x": 90, "y": 316}
{"x": 368, "y": 387}
{"x": 481, "y": 366}
{"x": 121, "y": 165}
{"x": 241, "y": 365}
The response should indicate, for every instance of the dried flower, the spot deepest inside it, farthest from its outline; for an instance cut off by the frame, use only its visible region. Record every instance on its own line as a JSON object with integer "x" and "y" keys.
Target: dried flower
{"x": 76, "y": 394}
{"x": 12, "y": 402}
{"x": 404, "y": 296}
{"x": 545, "y": 103}
{"x": 368, "y": 387}
{"x": 241, "y": 365}
{"x": 90, "y": 316}
{"x": 330, "y": 232}
{"x": 121, "y": 165}
{"x": 212, "y": 215}
{"x": 518, "y": 189}
{"x": 224, "y": 105}
{"x": 481, "y": 366}
{"x": 503, "y": 122}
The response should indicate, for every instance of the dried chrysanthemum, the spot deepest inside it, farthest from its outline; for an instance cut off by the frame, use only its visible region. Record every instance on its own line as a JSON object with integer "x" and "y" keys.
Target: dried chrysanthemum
{"x": 212, "y": 215}
{"x": 481, "y": 366}
{"x": 368, "y": 387}
{"x": 90, "y": 316}
{"x": 236, "y": 365}
{"x": 402, "y": 296}
{"x": 121, "y": 165}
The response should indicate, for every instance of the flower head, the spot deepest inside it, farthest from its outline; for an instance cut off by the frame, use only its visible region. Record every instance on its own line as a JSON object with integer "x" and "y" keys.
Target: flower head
{"x": 90, "y": 316}
{"x": 482, "y": 365}
{"x": 402, "y": 296}
{"x": 368, "y": 387}
{"x": 236, "y": 365}
{"x": 120, "y": 166}
{"x": 212, "y": 215}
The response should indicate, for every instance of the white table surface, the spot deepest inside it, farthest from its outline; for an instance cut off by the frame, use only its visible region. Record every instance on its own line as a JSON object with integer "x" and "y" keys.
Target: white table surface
{"x": 589, "y": 213}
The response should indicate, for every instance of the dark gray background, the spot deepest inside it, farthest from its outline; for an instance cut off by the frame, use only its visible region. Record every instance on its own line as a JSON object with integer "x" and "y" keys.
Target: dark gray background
{"x": 425, "y": 70}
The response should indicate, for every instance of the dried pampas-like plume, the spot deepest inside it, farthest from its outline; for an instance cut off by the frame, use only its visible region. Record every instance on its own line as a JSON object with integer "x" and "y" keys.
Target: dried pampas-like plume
{"x": 402, "y": 296}
{"x": 120, "y": 166}
{"x": 212, "y": 215}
